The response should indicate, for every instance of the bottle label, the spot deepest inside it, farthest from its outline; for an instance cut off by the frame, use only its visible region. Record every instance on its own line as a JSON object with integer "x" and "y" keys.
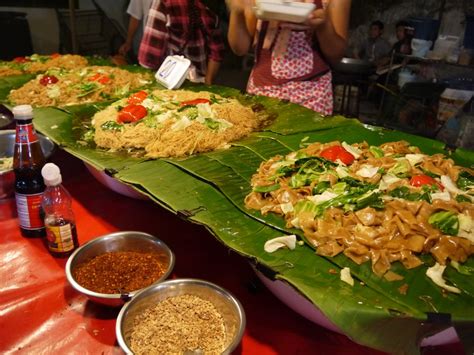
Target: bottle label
{"x": 60, "y": 238}
{"x": 29, "y": 210}
{"x": 25, "y": 134}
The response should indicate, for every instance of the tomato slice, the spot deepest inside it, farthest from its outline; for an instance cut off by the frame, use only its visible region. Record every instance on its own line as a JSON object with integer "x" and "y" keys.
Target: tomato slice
{"x": 94, "y": 77}
{"x": 337, "y": 152}
{"x": 55, "y": 55}
{"x": 195, "y": 102}
{"x": 137, "y": 97}
{"x": 132, "y": 113}
{"x": 48, "y": 79}
{"x": 104, "y": 79}
{"x": 420, "y": 180}
{"x": 21, "y": 59}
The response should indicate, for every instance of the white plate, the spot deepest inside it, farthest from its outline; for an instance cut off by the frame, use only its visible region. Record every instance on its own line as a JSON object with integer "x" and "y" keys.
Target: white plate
{"x": 114, "y": 184}
{"x": 283, "y": 11}
{"x": 301, "y": 305}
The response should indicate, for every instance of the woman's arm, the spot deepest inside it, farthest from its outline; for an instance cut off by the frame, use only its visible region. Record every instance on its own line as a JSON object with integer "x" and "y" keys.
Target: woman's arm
{"x": 242, "y": 26}
{"x": 331, "y": 26}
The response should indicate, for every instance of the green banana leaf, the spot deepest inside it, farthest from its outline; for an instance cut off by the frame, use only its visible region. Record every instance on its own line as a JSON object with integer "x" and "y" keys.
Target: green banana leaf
{"x": 210, "y": 188}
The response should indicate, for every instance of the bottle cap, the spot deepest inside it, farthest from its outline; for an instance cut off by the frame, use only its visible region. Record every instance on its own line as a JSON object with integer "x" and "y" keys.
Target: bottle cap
{"x": 23, "y": 112}
{"x": 51, "y": 174}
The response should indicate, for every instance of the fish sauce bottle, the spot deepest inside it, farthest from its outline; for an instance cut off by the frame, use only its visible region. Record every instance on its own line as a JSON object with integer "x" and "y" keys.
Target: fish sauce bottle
{"x": 59, "y": 220}
{"x": 28, "y": 159}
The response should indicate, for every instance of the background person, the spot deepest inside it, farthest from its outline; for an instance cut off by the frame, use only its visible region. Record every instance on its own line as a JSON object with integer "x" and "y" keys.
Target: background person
{"x": 375, "y": 48}
{"x": 183, "y": 27}
{"x": 292, "y": 60}
{"x": 138, "y": 11}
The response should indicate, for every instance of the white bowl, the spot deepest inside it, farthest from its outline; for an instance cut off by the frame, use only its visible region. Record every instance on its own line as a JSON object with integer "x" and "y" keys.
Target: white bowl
{"x": 301, "y": 305}
{"x": 280, "y": 10}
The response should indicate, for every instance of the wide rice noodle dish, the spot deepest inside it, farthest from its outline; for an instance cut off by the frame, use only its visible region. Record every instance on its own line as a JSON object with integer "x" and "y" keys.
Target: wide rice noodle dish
{"x": 372, "y": 203}
{"x": 41, "y": 63}
{"x": 166, "y": 123}
{"x": 59, "y": 87}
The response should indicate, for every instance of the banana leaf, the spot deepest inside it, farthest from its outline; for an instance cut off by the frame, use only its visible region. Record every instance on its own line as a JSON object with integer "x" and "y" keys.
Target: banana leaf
{"x": 12, "y": 82}
{"x": 209, "y": 189}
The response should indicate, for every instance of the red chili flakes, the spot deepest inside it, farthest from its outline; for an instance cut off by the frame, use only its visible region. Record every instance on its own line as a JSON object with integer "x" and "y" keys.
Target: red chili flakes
{"x": 119, "y": 272}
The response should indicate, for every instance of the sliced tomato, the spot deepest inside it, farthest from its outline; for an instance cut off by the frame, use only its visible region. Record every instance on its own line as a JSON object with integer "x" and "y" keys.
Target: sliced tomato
{"x": 420, "y": 180}
{"x": 48, "y": 79}
{"x": 138, "y": 97}
{"x": 337, "y": 152}
{"x": 195, "y": 102}
{"x": 55, "y": 55}
{"x": 21, "y": 60}
{"x": 131, "y": 113}
{"x": 346, "y": 157}
{"x": 101, "y": 78}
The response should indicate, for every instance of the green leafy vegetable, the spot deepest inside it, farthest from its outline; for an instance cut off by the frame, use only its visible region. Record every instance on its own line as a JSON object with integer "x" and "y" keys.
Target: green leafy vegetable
{"x": 87, "y": 89}
{"x": 406, "y": 194}
{"x": 111, "y": 126}
{"x": 462, "y": 269}
{"x": 400, "y": 169}
{"x": 376, "y": 151}
{"x": 465, "y": 181}
{"x": 211, "y": 124}
{"x": 321, "y": 187}
{"x": 268, "y": 188}
{"x": 462, "y": 198}
{"x": 446, "y": 221}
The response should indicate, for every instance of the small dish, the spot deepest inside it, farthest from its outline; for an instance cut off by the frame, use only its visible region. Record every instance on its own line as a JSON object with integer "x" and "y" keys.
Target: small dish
{"x": 280, "y": 10}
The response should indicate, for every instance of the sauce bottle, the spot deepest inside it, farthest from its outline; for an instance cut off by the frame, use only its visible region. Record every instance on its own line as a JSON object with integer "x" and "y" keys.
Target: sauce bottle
{"x": 58, "y": 215}
{"x": 28, "y": 159}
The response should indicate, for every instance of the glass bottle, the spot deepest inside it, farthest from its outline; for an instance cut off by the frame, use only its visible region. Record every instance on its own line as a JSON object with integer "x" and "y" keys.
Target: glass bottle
{"x": 58, "y": 215}
{"x": 28, "y": 159}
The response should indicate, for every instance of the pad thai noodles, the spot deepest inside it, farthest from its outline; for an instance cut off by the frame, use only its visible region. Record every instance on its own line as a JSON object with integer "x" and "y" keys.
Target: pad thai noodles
{"x": 372, "y": 203}
{"x": 166, "y": 123}
{"x": 40, "y": 63}
{"x": 58, "y": 87}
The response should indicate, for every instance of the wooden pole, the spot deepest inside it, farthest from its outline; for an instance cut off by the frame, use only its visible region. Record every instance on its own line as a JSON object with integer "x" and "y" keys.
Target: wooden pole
{"x": 72, "y": 23}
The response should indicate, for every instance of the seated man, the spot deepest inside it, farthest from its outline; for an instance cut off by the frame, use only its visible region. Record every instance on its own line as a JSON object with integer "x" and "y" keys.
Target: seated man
{"x": 375, "y": 49}
{"x": 403, "y": 44}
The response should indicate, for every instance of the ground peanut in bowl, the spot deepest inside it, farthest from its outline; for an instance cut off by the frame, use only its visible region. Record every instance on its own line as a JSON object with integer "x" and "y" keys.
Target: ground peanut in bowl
{"x": 179, "y": 324}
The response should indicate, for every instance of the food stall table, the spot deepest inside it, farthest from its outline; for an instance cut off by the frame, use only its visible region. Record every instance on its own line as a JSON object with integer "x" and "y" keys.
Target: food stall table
{"x": 42, "y": 314}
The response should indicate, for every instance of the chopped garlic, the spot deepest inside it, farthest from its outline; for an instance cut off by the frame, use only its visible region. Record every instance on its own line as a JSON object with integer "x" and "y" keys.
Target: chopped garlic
{"x": 274, "y": 244}
{"x": 435, "y": 273}
{"x": 346, "y": 276}
{"x": 367, "y": 171}
{"x": 356, "y": 152}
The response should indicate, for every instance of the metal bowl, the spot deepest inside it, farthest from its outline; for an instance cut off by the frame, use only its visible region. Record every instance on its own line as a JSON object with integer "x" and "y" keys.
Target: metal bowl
{"x": 7, "y": 145}
{"x": 119, "y": 241}
{"x": 226, "y": 304}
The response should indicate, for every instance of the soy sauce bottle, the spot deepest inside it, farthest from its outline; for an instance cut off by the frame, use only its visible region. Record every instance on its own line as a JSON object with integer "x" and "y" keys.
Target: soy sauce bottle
{"x": 28, "y": 159}
{"x": 59, "y": 220}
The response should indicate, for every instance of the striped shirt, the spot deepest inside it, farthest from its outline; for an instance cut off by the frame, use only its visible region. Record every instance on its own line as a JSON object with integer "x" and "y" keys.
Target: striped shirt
{"x": 184, "y": 27}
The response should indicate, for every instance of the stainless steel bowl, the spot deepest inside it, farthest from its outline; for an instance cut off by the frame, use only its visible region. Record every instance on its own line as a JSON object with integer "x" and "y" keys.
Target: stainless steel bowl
{"x": 226, "y": 304}
{"x": 119, "y": 241}
{"x": 7, "y": 145}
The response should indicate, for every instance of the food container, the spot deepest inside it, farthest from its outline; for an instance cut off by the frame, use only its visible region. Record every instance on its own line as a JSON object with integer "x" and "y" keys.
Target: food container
{"x": 173, "y": 71}
{"x": 114, "y": 242}
{"x": 281, "y": 10}
{"x": 227, "y": 305}
{"x": 7, "y": 145}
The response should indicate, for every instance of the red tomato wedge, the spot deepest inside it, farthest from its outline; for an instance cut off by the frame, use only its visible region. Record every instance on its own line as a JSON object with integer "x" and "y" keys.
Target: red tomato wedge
{"x": 55, "y": 55}
{"x": 101, "y": 78}
{"x": 195, "y": 102}
{"x": 138, "y": 97}
{"x": 21, "y": 60}
{"x": 337, "y": 152}
{"x": 48, "y": 79}
{"x": 420, "y": 180}
{"x": 131, "y": 113}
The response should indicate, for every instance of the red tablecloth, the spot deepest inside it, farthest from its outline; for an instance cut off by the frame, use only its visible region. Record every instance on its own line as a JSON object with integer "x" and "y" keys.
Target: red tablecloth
{"x": 41, "y": 313}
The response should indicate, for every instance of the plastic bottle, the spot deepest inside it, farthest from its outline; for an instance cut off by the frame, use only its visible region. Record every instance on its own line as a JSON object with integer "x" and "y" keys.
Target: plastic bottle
{"x": 58, "y": 215}
{"x": 28, "y": 159}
